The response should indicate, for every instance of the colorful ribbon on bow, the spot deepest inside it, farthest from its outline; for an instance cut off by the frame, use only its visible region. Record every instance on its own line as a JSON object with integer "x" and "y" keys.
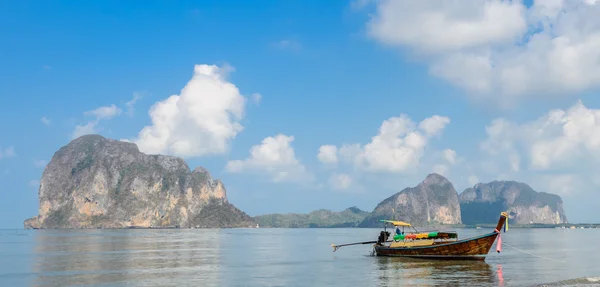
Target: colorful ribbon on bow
{"x": 499, "y": 245}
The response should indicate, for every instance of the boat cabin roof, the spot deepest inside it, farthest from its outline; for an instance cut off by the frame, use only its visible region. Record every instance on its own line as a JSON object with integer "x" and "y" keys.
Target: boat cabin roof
{"x": 395, "y": 222}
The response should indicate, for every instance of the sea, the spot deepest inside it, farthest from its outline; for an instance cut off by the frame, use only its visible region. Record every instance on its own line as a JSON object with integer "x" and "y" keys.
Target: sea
{"x": 284, "y": 257}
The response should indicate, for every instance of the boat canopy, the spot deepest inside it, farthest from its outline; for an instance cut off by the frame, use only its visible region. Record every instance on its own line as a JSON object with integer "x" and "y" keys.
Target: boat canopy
{"x": 395, "y": 222}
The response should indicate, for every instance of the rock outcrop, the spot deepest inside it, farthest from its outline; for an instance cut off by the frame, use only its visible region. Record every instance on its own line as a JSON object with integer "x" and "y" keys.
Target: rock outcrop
{"x": 94, "y": 182}
{"x": 483, "y": 202}
{"x": 350, "y": 217}
{"x": 434, "y": 201}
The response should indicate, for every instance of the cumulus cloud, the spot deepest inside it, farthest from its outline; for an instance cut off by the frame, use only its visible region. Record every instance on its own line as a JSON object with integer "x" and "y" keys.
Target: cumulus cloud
{"x": 201, "y": 120}
{"x": 7, "y": 152}
{"x": 437, "y": 26}
{"x": 434, "y": 125}
{"x": 327, "y": 154}
{"x": 493, "y": 47}
{"x": 559, "y": 139}
{"x": 556, "y": 152}
{"x": 397, "y": 147}
{"x": 275, "y": 157}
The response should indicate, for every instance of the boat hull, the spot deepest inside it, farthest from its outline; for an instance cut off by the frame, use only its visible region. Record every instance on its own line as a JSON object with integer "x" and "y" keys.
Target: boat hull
{"x": 475, "y": 248}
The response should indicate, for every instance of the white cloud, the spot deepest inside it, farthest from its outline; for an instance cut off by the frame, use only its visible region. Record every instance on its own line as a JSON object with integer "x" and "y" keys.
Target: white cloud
{"x": 434, "y": 125}
{"x": 46, "y": 121}
{"x": 498, "y": 50}
{"x": 7, "y": 152}
{"x": 275, "y": 157}
{"x": 340, "y": 181}
{"x": 399, "y": 153}
{"x": 201, "y": 120}
{"x": 91, "y": 127}
{"x": 131, "y": 103}
{"x": 40, "y": 163}
{"x": 397, "y": 147}
{"x": 557, "y": 152}
{"x": 447, "y": 25}
{"x": 560, "y": 139}
{"x": 327, "y": 154}
{"x": 105, "y": 113}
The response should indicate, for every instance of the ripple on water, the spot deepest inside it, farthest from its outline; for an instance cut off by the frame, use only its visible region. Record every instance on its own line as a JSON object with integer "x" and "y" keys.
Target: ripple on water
{"x": 280, "y": 257}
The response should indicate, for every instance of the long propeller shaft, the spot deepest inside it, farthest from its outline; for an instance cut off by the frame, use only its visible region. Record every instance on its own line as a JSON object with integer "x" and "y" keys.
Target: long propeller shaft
{"x": 335, "y": 247}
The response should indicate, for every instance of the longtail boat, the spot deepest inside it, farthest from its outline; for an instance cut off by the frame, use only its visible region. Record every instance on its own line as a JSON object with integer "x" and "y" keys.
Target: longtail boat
{"x": 434, "y": 245}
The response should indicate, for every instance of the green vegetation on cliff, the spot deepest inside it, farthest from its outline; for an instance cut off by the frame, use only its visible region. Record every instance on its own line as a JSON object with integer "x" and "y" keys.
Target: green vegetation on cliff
{"x": 350, "y": 217}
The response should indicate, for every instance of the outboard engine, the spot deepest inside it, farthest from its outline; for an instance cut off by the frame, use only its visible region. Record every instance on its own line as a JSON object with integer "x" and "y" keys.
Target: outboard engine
{"x": 383, "y": 237}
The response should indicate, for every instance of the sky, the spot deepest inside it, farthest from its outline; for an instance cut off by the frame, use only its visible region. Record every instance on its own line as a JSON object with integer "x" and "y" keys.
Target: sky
{"x": 302, "y": 105}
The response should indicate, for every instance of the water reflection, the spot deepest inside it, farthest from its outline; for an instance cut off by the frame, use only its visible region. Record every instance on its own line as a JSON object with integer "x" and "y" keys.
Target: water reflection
{"x": 407, "y": 271}
{"x": 278, "y": 257}
{"x": 139, "y": 257}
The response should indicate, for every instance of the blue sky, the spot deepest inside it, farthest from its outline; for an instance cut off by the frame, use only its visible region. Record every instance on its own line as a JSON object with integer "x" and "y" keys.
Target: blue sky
{"x": 328, "y": 73}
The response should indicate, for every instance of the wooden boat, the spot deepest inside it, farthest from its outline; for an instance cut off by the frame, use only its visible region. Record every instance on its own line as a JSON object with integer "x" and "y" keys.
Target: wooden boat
{"x": 437, "y": 245}
{"x": 434, "y": 245}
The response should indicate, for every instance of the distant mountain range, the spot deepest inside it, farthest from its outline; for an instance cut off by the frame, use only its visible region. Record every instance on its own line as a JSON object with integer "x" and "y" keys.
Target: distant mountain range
{"x": 95, "y": 182}
{"x": 350, "y": 217}
{"x": 433, "y": 202}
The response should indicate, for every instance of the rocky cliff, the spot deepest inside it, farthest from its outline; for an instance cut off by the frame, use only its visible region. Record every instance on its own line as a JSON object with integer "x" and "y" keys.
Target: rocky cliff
{"x": 483, "y": 202}
{"x": 349, "y": 217}
{"x": 434, "y": 201}
{"x": 94, "y": 182}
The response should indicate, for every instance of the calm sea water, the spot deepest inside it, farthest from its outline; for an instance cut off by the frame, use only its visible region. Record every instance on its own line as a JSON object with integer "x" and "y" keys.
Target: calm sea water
{"x": 279, "y": 257}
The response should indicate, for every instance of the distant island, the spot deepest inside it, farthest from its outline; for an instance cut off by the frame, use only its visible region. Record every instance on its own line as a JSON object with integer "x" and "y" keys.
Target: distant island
{"x": 95, "y": 182}
{"x": 350, "y": 217}
{"x": 483, "y": 202}
{"x": 435, "y": 202}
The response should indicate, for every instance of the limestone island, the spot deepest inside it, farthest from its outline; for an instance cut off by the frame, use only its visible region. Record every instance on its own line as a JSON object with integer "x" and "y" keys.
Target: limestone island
{"x": 95, "y": 182}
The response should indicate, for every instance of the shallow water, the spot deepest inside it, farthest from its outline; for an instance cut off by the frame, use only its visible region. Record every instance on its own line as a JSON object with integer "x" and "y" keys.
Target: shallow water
{"x": 279, "y": 257}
